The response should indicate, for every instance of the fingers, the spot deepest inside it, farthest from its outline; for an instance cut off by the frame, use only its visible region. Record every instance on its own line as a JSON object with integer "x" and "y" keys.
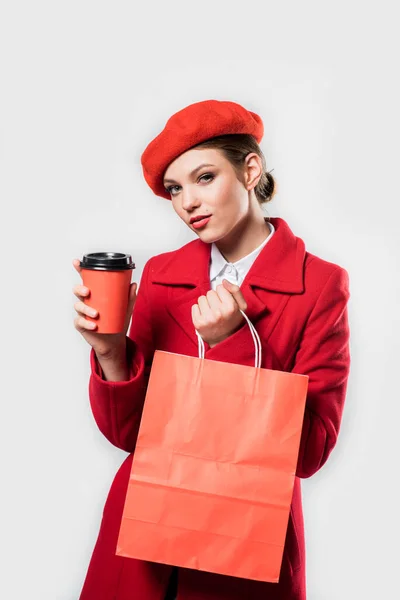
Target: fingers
{"x": 226, "y": 298}
{"x": 196, "y": 317}
{"x": 82, "y": 324}
{"x": 236, "y": 293}
{"x": 214, "y": 306}
{"x": 83, "y": 309}
{"x": 221, "y": 302}
{"x": 132, "y": 291}
{"x": 208, "y": 313}
{"x": 132, "y": 297}
{"x": 76, "y": 263}
{"x": 131, "y": 304}
{"x": 216, "y": 314}
{"x": 81, "y": 291}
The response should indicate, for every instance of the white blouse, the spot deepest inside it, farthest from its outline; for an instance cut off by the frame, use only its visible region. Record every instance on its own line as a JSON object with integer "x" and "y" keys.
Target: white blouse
{"x": 235, "y": 272}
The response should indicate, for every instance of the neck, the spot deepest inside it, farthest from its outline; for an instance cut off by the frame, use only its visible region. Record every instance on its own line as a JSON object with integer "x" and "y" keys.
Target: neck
{"x": 244, "y": 238}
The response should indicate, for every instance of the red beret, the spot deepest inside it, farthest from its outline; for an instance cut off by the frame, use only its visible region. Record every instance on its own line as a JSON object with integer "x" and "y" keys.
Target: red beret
{"x": 190, "y": 126}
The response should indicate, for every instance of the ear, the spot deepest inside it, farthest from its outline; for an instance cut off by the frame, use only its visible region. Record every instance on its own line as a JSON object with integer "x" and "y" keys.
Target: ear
{"x": 253, "y": 170}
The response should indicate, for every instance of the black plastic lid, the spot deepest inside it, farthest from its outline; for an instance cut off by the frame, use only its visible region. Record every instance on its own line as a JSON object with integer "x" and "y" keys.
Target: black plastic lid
{"x": 107, "y": 261}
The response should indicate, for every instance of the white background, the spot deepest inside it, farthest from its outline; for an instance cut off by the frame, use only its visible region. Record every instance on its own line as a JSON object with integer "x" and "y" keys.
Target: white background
{"x": 84, "y": 87}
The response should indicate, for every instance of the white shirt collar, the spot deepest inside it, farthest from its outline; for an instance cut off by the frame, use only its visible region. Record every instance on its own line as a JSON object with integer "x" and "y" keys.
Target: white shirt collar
{"x": 218, "y": 262}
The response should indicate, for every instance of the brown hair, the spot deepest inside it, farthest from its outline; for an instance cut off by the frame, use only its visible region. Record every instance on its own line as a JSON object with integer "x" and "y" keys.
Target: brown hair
{"x": 235, "y": 147}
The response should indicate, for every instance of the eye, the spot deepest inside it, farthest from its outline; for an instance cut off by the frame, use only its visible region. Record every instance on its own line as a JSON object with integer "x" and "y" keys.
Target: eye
{"x": 170, "y": 188}
{"x": 207, "y": 175}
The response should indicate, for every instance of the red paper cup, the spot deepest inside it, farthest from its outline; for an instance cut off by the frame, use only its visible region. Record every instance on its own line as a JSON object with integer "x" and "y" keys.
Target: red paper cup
{"x": 108, "y": 277}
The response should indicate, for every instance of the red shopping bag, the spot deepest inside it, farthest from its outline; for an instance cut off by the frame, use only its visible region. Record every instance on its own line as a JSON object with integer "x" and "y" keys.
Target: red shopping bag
{"x": 213, "y": 471}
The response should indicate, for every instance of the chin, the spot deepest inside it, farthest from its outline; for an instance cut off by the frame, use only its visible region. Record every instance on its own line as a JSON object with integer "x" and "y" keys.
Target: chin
{"x": 205, "y": 236}
{"x": 207, "y": 232}
{"x": 210, "y": 238}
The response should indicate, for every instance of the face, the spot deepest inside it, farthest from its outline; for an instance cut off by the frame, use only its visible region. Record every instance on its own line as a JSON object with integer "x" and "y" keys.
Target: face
{"x": 213, "y": 190}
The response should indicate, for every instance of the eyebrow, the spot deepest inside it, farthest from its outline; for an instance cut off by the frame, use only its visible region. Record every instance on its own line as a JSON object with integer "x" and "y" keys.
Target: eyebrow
{"x": 191, "y": 173}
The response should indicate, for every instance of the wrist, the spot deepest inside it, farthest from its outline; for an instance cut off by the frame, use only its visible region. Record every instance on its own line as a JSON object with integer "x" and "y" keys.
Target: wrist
{"x": 114, "y": 354}
{"x": 114, "y": 365}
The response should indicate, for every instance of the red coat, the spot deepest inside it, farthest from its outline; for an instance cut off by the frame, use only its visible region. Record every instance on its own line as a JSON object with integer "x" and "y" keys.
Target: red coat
{"x": 298, "y": 303}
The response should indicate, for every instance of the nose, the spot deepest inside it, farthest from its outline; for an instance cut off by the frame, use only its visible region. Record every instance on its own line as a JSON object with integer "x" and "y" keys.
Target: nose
{"x": 189, "y": 200}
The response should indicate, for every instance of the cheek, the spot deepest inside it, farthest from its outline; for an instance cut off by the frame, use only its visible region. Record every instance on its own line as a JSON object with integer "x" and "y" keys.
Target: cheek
{"x": 176, "y": 204}
{"x": 222, "y": 192}
{"x": 178, "y": 209}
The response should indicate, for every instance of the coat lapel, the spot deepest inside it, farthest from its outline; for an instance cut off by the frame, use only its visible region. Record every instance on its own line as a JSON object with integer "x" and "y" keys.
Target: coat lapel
{"x": 278, "y": 269}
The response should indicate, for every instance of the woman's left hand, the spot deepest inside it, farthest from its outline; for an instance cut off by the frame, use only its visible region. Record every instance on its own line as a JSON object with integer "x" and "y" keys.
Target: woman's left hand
{"x": 217, "y": 315}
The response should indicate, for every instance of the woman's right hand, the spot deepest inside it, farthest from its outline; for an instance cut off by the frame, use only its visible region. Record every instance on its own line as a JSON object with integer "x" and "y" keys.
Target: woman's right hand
{"x": 105, "y": 345}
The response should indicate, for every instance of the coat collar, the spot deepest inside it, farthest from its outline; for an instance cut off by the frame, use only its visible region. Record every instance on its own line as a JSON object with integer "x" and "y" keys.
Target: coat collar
{"x": 218, "y": 261}
{"x": 278, "y": 268}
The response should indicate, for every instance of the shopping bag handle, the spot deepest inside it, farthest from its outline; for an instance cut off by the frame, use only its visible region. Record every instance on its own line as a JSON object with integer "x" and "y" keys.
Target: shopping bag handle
{"x": 256, "y": 340}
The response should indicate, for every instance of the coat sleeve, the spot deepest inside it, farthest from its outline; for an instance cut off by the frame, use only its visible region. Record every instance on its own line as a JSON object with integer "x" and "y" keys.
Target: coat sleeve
{"x": 117, "y": 405}
{"x": 324, "y": 356}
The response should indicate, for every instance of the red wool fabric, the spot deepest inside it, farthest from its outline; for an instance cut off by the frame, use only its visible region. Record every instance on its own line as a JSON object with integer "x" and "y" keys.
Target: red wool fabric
{"x": 298, "y": 304}
{"x": 190, "y": 126}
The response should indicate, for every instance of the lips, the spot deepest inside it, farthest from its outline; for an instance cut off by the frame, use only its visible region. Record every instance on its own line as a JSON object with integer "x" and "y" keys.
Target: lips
{"x": 201, "y": 223}
{"x": 199, "y": 218}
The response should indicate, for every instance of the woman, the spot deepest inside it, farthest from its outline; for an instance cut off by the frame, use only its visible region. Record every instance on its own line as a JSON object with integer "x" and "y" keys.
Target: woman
{"x": 208, "y": 163}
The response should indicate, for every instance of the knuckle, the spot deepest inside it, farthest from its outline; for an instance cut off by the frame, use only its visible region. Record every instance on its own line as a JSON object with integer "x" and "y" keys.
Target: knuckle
{"x": 81, "y": 307}
{"x": 230, "y": 311}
